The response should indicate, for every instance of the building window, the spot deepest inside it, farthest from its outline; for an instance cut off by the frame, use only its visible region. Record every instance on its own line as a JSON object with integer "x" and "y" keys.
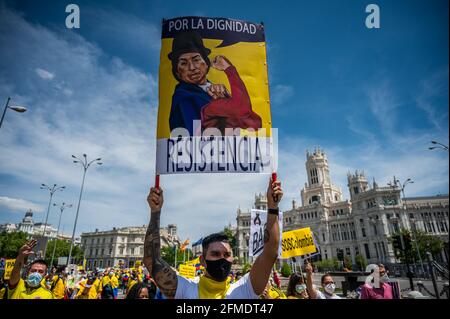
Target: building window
{"x": 96, "y": 252}
{"x": 100, "y": 264}
{"x": 363, "y": 231}
{"x": 103, "y": 251}
{"x": 347, "y": 251}
{"x": 110, "y": 251}
{"x": 323, "y": 237}
{"x": 366, "y": 248}
{"x": 121, "y": 251}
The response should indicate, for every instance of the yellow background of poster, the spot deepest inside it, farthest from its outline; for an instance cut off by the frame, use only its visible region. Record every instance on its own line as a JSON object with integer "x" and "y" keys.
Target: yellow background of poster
{"x": 295, "y": 235}
{"x": 187, "y": 271}
{"x": 250, "y": 60}
{"x": 9, "y": 265}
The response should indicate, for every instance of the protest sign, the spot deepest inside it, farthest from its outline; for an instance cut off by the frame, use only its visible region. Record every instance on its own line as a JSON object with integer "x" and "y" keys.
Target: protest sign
{"x": 214, "y": 108}
{"x": 297, "y": 242}
{"x": 258, "y": 220}
{"x": 9, "y": 265}
{"x": 186, "y": 271}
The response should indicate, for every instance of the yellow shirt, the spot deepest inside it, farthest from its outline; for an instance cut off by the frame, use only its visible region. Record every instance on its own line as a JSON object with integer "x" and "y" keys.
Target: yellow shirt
{"x": 131, "y": 283}
{"x": 2, "y": 292}
{"x": 87, "y": 293}
{"x": 275, "y": 293}
{"x": 58, "y": 287}
{"x": 114, "y": 282}
{"x": 106, "y": 280}
{"x": 21, "y": 291}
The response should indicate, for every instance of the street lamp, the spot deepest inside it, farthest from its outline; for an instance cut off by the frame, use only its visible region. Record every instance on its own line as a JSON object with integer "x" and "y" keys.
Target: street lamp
{"x": 85, "y": 164}
{"x": 52, "y": 191}
{"x": 438, "y": 145}
{"x": 61, "y": 207}
{"x": 16, "y": 108}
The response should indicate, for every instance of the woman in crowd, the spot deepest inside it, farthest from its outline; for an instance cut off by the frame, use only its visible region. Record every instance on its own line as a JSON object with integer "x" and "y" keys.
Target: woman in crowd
{"x": 297, "y": 287}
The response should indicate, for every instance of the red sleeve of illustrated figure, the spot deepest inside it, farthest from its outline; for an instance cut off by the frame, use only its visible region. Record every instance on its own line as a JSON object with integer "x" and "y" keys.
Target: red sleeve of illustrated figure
{"x": 233, "y": 112}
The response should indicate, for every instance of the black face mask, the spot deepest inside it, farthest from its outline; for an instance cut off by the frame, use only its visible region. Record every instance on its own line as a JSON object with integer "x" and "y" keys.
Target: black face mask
{"x": 218, "y": 269}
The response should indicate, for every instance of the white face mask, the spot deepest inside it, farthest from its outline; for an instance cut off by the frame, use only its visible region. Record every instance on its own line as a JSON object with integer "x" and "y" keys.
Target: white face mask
{"x": 330, "y": 288}
{"x": 384, "y": 278}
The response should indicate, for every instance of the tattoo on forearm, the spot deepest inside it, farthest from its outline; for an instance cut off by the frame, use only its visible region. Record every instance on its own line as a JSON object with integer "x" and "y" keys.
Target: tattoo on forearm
{"x": 164, "y": 276}
{"x": 266, "y": 235}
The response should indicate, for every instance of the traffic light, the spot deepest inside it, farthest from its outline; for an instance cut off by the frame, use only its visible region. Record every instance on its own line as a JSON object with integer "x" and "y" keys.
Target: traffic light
{"x": 407, "y": 241}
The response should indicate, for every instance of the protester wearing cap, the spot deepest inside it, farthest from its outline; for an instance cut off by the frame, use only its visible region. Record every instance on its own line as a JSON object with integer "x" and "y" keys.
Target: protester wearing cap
{"x": 196, "y": 98}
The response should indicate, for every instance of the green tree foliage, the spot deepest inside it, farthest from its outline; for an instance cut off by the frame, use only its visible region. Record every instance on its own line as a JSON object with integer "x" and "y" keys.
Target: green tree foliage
{"x": 10, "y": 243}
{"x": 413, "y": 243}
{"x": 168, "y": 254}
{"x": 361, "y": 262}
{"x": 286, "y": 270}
{"x": 231, "y": 238}
{"x": 348, "y": 263}
{"x": 327, "y": 264}
{"x": 246, "y": 268}
{"x": 62, "y": 250}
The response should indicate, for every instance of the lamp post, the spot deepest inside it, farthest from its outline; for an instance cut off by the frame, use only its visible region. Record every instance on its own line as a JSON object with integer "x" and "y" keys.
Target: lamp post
{"x": 61, "y": 207}
{"x": 52, "y": 191}
{"x": 438, "y": 145}
{"x": 410, "y": 181}
{"x": 85, "y": 164}
{"x": 16, "y": 108}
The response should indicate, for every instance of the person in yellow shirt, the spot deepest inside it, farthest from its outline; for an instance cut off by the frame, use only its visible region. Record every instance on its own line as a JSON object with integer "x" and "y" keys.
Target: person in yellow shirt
{"x": 88, "y": 289}
{"x": 272, "y": 292}
{"x": 31, "y": 287}
{"x": 131, "y": 282}
{"x": 115, "y": 285}
{"x": 58, "y": 284}
{"x": 107, "y": 291}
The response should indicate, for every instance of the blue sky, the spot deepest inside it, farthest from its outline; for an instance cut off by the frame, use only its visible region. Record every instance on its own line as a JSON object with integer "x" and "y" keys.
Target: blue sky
{"x": 373, "y": 99}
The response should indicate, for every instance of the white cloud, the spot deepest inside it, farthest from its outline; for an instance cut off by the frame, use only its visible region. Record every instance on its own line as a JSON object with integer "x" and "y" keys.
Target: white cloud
{"x": 17, "y": 204}
{"x": 106, "y": 108}
{"x": 281, "y": 94}
{"x": 44, "y": 74}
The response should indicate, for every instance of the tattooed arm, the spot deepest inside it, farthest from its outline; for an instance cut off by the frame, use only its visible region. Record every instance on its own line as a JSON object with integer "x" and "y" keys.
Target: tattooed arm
{"x": 260, "y": 272}
{"x": 24, "y": 251}
{"x": 164, "y": 276}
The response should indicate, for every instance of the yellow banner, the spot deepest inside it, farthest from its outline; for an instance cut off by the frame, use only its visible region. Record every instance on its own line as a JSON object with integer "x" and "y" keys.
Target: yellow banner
{"x": 297, "y": 243}
{"x": 187, "y": 271}
{"x": 193, "y": 262}
{"x": 8, "y": 268}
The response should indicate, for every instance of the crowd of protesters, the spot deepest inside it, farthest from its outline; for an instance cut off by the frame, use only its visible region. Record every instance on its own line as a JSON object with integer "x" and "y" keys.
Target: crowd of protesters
{"x": 216, "y": 280}
{"x": 39, "y": 282}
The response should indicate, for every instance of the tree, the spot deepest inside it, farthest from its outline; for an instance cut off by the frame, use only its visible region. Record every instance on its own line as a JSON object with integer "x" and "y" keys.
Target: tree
{"x": 62, "y": 250}
{"x": 246, "y": 268}
{"x": 168, "y": 254}
{"x": 286, "y": 270}
{"x": 231, "y": 238}
{"x": 361, "y": 262}
{"x": 10, "y": 243}
{"x": 413, "y": 243}
{"x": 348, "y": 263}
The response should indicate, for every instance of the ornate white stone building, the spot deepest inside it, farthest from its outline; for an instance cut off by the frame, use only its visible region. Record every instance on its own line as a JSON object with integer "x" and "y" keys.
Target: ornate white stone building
{"x": 362, "y": 225}
{"x": 121, "y": 246}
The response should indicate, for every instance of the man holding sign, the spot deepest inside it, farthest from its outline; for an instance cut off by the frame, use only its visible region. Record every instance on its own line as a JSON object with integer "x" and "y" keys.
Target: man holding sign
{"x": 216, "y": 258}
